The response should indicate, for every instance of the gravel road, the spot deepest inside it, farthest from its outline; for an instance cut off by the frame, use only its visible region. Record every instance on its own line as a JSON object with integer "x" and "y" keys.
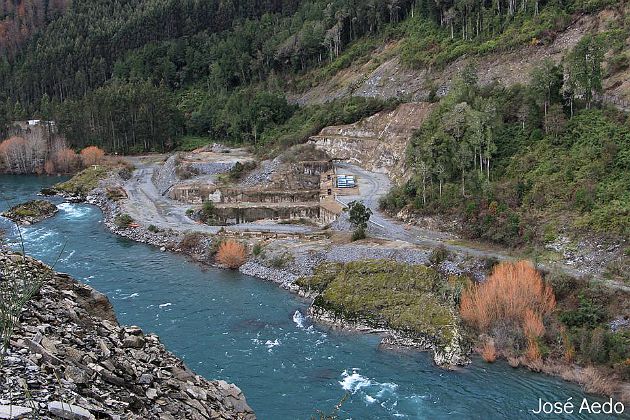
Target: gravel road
{"x": 373, "y": 186}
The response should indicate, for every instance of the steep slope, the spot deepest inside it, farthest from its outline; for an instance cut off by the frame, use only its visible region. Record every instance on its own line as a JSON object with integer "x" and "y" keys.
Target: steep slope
{"x": 377, "y": 143}
{"x": 384, "y": 75}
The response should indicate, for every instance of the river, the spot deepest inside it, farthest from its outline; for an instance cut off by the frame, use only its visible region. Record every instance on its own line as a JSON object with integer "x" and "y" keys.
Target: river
{"x": 228, "y": 326}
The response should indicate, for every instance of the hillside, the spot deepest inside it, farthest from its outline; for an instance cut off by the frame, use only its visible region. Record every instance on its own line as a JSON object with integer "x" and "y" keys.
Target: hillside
{"x": 222, "y": 70}
{"x": 504, "y": 99}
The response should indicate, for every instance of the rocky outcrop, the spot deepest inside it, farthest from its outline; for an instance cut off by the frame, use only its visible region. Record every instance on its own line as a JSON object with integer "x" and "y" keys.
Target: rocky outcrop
{"x": 76, "y": 362}
{"x": 165, "y": 176}
{"x": 451, "y": 355}
{"x": 31, "y": 212}
{"x": 377, "y": 143}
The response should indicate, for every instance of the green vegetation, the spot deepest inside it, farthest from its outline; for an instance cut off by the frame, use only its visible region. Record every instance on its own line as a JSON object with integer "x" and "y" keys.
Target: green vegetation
{"x": 414, "y": 299}
{"x": 586, "y": 309}
{"x": 137, "y": 77}
{"x": 123, "y": 221}
{"x": 514, "y": 163}
{"x": 282, "y": 260}
{"x": 207, "y": 213}
{"x": 153, "y": 75}
{"x": 85, "y": 181}
{"x": 190, "y": 143}
{"x": 359, "y": 216}
{"x": 31, "y": 212}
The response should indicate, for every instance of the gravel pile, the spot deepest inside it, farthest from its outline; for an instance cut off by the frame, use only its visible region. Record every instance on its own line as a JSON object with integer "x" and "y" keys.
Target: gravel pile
{"x": 262, "y": 174}
{"x": 79, "y": 363}
{"x": 213, "y": 168}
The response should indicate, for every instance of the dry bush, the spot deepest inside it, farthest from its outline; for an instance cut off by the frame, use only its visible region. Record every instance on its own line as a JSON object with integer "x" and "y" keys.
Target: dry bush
{"x": 65, "y": 160}
{"x": 513, "y": 361}
{"x": 231, "y": 254}
{"x": 597, "y": 382}
{"x": 533, "y": 326}
{"x": 511, "y": 290}
{"x": 92, "y": 155}
{"x": 49, "y": 167}
{"x": 489, "y": 351}
{"x": 569, "y": 349}
{"x": 191, "y": 241}
{"x": 532, "y": 354}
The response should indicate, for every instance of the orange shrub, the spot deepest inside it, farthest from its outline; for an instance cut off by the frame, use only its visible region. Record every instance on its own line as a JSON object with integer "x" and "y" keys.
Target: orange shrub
{"x": 92, "y": 156}
{"x": 231, "y": 254}
{"x": 65, "y": 160}
{"x": 508, "y": 294}
{"x": 489, "y": 351}
{"x": 533, "y": 326}
{"x": 532, "y": 354}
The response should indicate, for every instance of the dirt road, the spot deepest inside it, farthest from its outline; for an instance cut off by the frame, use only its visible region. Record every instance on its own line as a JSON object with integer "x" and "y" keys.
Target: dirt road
{"x": 373, "y": 186}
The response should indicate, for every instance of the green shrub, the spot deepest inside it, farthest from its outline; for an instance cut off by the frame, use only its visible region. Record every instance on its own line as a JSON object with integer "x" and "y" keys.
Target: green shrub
{"x": 281, "y": 261}
{"x": 85, "y": 181}
{"x": 207, "y": 212}
{"x": 358, "y": 234}
{"x": 122, "y": 221}
{"x": 589, "y": 313}
{"x": 257, "y": 249}
{"x": 439, "y": 255}
{"x": 153, "y": 229}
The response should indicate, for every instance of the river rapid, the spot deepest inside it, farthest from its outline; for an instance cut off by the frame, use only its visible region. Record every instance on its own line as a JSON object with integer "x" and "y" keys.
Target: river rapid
{"x": 225, "y": 325}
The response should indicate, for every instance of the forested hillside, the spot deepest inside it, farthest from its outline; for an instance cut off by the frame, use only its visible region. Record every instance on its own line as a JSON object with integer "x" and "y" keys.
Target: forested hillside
{"x": 21, "y": 19}
{"x": 509, "y": 161}
{"x": 138, "y": 75}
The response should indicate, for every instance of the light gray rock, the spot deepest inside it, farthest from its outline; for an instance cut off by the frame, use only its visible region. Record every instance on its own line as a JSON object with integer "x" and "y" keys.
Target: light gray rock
{"x": 69, "y": 411}
{"x": 11, "y": 412}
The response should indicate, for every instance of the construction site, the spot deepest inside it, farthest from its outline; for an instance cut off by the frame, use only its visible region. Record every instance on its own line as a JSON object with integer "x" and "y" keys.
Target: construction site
{"x": 293, "y": 188}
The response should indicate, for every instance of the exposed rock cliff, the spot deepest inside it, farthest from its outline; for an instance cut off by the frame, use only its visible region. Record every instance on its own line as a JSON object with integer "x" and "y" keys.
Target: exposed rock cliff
{"x": 77, "y": 362}
{"x": 376, "y": 143}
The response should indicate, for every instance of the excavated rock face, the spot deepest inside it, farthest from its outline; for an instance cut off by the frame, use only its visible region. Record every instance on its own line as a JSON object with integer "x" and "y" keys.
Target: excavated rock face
{"x": 377, "y": 143}
{"x": 77, "y": 362}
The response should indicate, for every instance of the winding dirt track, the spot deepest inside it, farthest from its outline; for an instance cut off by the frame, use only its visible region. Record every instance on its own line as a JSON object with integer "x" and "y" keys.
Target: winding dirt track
{"x": 373, "y": 186}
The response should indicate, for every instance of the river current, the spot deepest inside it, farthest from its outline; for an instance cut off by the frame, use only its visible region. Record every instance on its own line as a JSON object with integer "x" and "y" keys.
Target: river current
{"x": 225, "y": 325}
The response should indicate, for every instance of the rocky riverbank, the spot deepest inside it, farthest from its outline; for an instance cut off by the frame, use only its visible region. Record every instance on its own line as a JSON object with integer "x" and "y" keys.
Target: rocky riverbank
{"x": 283, "y": 263}
{"x": 69, "y": 358}
{"x": 31, "y": 212}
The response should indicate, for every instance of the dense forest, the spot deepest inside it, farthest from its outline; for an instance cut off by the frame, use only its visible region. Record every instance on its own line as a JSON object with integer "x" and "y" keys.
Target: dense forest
{"x": 511, "y": 163}
{"x": 138, "y": 75}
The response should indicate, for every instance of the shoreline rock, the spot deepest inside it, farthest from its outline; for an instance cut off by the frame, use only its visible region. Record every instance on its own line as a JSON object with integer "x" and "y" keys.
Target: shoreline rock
{"x": 78, "y": 362}
{"x": 31, "y": 212}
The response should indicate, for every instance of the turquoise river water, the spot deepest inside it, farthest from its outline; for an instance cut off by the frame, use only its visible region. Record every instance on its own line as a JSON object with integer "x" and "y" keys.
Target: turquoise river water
{"x": 228, "y": 326}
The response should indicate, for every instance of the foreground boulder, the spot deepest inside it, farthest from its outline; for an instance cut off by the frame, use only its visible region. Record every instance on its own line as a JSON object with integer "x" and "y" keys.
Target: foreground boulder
{"x": 77, "y": 362}
{"x": 31, "y": 212}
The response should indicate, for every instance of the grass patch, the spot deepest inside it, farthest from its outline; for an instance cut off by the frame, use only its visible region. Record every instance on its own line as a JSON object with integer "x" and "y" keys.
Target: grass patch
{"x": 190, "y": 143}
{"x": 383, "y": 293}
{"x": 85, "y": 181}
